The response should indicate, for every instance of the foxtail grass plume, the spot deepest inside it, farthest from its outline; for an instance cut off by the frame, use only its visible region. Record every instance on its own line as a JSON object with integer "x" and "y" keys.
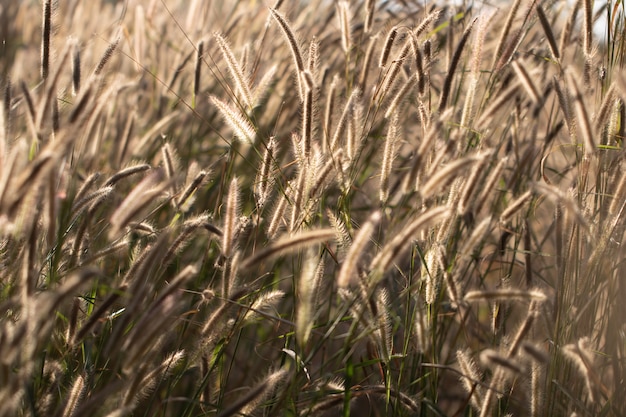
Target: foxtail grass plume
{"x": 350, "y": 266}
{"x": 238, "y": 122}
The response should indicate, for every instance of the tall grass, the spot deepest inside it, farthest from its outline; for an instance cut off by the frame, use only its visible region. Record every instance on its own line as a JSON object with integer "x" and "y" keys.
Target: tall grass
{"x": 360, "y": 208}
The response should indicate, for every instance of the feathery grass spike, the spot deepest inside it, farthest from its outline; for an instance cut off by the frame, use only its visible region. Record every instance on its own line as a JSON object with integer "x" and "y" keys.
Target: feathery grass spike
{"x": 239, "y": 123}
{"x": 289, "y": 244}
{"x": 349, "y": 267}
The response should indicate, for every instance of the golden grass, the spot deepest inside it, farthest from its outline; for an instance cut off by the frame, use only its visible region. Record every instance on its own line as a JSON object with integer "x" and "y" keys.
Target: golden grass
{"x": 315, "y": 208}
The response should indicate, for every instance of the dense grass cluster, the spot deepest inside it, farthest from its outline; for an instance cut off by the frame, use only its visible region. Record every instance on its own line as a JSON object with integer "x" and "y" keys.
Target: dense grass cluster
{"x": 311, "y": 208}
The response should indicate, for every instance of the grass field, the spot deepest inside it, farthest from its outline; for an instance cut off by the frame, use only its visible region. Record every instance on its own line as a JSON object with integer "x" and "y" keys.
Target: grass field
{"x": 312, "y": 208}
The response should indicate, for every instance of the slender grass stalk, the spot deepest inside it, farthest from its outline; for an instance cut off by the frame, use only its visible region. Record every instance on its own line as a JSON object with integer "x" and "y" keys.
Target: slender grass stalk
{"x": 75, "y": 69}
{"x": 77, "y": 392}
{"x": 46, "y": 29}
{"x": 527, "y": 82}
{"x": 389, "y": 40}
{"x": 569, "y": 26}
{"x": 329, "y": 110}
{"x": 547, "y": 29}
{"x": 515, "y": 206}
{"x": 170, "y": 163}
{"x": 52, "y": 79}
{"x": 108, "y": 53}
{"x": 369, "y": 15}
{"x": 296, "y": 54}
{"x": 582, "y": 117}
{"x": 447, "y": 85}
{"x": 350, "y": 264}
{"x": 230, "y": 218}
{"x": 447, "y": 174}
{"x": 367, "y": 62}
{"x": 139, "y": 198}
{"x": 343, "y": 13}
{"x": 242, "y": 84}
{"x": 307, "y": 113}
{"x": 505, "y": 294}
{"x": 470, "y": 376}
{"x": 124, "y": 173}
{"x": 587, "y": 27}
{"x": 506, "y": 29}
{"x": 249, "y": 401}
{"x": 263, "y": 181}
{"x": 198, "y": 72}
{"x": 344, "y": 119}
{"x": 186, "y": 196}
{"x": 289, "y": 244}
{"x": 397, "y": 245}
{"x": 388, "y": 157}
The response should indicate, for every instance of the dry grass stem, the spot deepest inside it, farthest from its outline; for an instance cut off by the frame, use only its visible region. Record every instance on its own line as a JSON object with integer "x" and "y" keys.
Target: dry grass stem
{"x": 389, "y": 40}
{"x": 504, "y": 34}
{"x": 467, "y": 117}
{"x": 344, "y": 119}
{"x": 388, "y": 157}
{"x": 307, "y": 113}
{"x": 170, "y": 163}
{"x": 391, "y": 74}
{"x": 400, "y": 95}
{"x": 606, "y": 108}
{"x": 515, "y": 206}
{"x": 393, "y": 249}
{"x": 447, "y": 174}
{"x": 46, "y": 29}
{"x": 186, "y": 196}
{"x": 369, "y": 15}
{"x": 564, "y": 104}
{"x": 230, "y": 218}
{"x": 343, "y": 14}
{"x": 263, "y": 181}
{"x": 367, "y": 61}
{"x": 504, "y": 295}
{"x": 527, "y": 82}
{"x": 619, "y": 196}
{"x": 582, "y": 356}
{"x": 251, "y": 399}
{"x": 470, "y": 377}
{"x": 582, "y": 117}
{"x": 350, "y": 265}
{"x": 491, "y": 357}
{"x": 75, "y": 69}
{"x": 124, "y": 173}
{"x": 242, "y": 84}
{"x": 569, "y": 26}
{"x": 289, "y": 244}
{"x": 296, "y": 54}
{"x": 140, "y": 197}
{"x": 265, "y": 303}
{"x": 547, "y": 29}
{"x": 108, "y": 53}
{"x": 77, "y": 392}
{"x": 198, "y": 71}
{"x": 277, "y": 217}
{"x": 447, "y": 84}
{"x": 329, "y": 110}
{"x": 50, "y": 89}
{"x": 587, "y": 26}
{"x": 307, "y": 292}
